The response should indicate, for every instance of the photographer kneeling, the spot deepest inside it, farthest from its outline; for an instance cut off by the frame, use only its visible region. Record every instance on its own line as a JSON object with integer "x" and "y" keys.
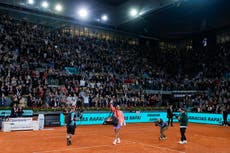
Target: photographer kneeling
{"x": 163, "y": 127}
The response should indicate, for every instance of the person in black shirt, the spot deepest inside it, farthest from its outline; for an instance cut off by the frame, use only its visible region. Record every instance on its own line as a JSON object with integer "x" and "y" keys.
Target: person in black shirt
{"x": 170, "y": 115}
{"x": 225, "y": 116}
{"x": 71, "y": 116}
{"x": 14, "y": 111}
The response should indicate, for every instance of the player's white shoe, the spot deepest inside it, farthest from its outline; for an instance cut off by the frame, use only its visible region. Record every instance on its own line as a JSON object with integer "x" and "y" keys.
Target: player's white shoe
{"x": 181, "y": 142}
{"x": 163, "y": 138}
{"x": 118, "y": 140}
{"x": 115, "y": 141}
{"x": 185, "y": 142}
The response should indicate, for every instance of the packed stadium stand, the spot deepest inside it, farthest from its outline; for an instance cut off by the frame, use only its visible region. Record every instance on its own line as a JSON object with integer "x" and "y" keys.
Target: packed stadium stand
{"x": 46, "y": 66}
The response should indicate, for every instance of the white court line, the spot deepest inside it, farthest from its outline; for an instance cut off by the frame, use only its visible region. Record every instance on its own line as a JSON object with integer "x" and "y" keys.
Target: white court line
{"x": 78, "y": 148}
{"x": 149, "y": 145}
{"x": 47, "y": 129}
{"x": 162, "y": 148}
{"x": 211, "y": 137}
{"x": 80, "y": 134}
{"x": 72, "y": 149}
{"x": 98, "y": 146}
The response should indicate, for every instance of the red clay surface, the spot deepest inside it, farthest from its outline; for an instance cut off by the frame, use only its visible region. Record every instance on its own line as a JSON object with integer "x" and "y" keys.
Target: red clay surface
{"x": 135, "y": 138}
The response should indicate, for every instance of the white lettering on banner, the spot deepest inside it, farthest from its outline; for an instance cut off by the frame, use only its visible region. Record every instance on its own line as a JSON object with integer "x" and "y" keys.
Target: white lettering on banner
{"x": 20, "y": 119}
{"x": 21, "y": 125}
{"x": 149, "y": 116}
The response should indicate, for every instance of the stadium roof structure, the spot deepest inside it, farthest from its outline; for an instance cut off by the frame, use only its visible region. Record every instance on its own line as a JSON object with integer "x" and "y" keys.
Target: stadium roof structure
{"x": 156, "y": 18}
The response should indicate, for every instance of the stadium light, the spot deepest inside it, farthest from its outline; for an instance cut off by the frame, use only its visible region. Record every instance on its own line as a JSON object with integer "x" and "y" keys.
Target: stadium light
{"x": 58, "y": 7}
{"x": 133, "y": 12}
{"x": 104, "y": 17}
{"x": 45, "y": 4}
{"x": 83, "y": 13}
{"x": 31, "y": 2}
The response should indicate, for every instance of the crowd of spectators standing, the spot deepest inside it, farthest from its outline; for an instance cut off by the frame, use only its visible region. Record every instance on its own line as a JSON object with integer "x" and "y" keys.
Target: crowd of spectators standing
{"x": 35, "y": 64}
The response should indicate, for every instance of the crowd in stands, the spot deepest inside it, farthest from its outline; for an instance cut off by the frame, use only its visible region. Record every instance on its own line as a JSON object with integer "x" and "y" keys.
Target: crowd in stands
{"x": 40, "y": 67}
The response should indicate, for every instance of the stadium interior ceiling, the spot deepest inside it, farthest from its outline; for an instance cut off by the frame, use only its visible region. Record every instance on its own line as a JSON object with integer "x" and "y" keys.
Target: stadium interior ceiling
{"x": 159, "y": 18}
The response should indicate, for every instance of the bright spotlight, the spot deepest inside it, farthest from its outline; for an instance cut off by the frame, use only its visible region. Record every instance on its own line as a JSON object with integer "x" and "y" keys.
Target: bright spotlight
{"x": 104, "y": 17}
{"x": 133, "y": 12}
{"x": 31, "y": 2}
{"x": 45, "y": 4}
{"x": 58, "y": 7}
{"x": 83, "y": 13}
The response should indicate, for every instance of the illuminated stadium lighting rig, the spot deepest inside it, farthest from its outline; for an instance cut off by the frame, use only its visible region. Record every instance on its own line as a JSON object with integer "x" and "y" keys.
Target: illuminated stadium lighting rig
{"x": 31, "y": 2}
{"x": 45, "y": 4}
{"x": 58, "y": 7}
{"x": 133, "y": 12}
{"x": 83, "y": 13}
{"x": 104, "y": 17}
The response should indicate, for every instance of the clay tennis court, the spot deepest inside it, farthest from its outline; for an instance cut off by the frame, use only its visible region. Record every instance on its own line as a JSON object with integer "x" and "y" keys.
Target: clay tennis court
{"x": 136, "y": 138}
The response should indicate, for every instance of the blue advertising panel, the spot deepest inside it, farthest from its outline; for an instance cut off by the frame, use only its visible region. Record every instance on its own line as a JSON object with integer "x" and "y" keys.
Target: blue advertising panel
{"x": 133, "y": 117}
{"x": 206, "y": 118}
{"x": 72, "y": 70}
{"x": 89, "y": 118}
{"x": 6, "y": 113}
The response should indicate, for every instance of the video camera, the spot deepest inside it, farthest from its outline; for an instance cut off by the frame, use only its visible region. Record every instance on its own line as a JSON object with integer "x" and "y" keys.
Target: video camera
{"x": 156, "y": 123}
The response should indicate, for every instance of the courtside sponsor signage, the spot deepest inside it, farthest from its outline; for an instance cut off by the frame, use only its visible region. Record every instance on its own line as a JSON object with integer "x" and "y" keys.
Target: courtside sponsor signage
{"x": 20, "y": 119}
{"x": 19, "y": 124}
{"x": 206, "y": 118}
{"x": 5, "y": 113}
{"x": 140, "y": 117}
